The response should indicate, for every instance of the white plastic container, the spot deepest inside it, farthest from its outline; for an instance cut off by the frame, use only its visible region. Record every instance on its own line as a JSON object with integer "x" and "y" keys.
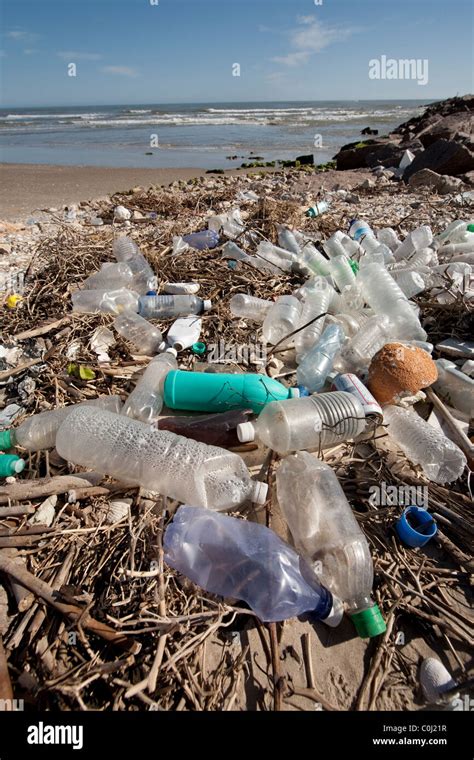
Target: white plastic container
{"x": 184, "y": 332}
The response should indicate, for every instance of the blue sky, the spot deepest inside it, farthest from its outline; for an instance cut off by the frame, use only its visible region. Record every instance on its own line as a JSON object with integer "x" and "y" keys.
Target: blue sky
{"x": 134, "y": 51}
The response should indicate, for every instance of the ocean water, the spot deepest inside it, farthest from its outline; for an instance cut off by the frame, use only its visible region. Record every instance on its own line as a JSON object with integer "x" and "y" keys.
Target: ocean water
{"x": 191, "y": 135}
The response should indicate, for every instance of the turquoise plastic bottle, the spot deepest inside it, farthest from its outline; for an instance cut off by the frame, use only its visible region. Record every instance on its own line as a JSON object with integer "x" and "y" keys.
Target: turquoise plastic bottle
{"x": 218, "y": 392}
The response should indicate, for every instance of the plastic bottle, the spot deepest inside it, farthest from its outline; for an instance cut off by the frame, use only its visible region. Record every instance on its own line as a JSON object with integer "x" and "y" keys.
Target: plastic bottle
{"x": 455, "y": 387}
{"x": 317, "y": 363}
{"x": 232, "y": 251}
{"x": 315, "y": 261}
{"x": 351, "y": 321}
{"x": 420, "y": 238}
{"x": 110, "y": 276}
{"x": 440, "y": 459}
{"x": 161, "y": 307}
{"x": 359, "y": 230}
{"x": 282, "y": 318}
{"x": 277, "y": 256}
{"x": 220, "y": 392}
{"x": 342, "y": 272}
{"x": 310, "y": 422}
{"x": 411, "y": 283}
{"x": 244, "y": 560}
{"x": 126, "y": 250}
{"x": 181, "y": 288}
{"x": 145, "y": 337}
{"x": 385, "y": 297}
{"x": 249, "y": 307}
{"x": 184, "y": 332}
{"x": 317, "y": 209}
{"x": 214, "y": 429}
{"x": 146, "y": 400}
{"x": 372, "y": 335}
{"x": 326, "y": 533}
{"x": 389, "y": 237}
{"x": 231, "y": 223}
{"x": 157, "y": 460}
{"x": 38, "y": 432}
{"x": 287, "y": 240}
{"x": 202, "y": 240}
{"x": 316, "y": 302}
{"x": 340, "y": 243}
{"x": 424, "y": 257}
{"x": 11, "y": 465}
{"x": 104, "y": 301}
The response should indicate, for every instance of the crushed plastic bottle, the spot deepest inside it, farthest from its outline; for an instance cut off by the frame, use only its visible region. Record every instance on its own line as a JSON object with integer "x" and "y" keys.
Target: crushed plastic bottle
{"x": 144, "y": 337}
{"x": 420, "y": 238}
{"x": 317, "y": 363}
{"x": 326, "y": 533}
{"x": 310, "y": 422}
{"x": 38, "y": 432}
{"x": 219, "y": 392}
{"x": 203, "y": 240}
{"x": 161, "y": 307}
{"x": 157, "y": 460}
{"x": 110, "y": 276}
{"x": 146, "y": 400}
{"x": 276, "y": 256}
{"x": 315, "y": 297}
{"x": 248, "y": 307}
{"x": 282, "y": 318}
{"x": 287, "y": 240}
{"x": 411, "y": 283}
{"x": 440, "y": 459}
{"x": 244, "y": 560}
{"x": 104, "y": 301}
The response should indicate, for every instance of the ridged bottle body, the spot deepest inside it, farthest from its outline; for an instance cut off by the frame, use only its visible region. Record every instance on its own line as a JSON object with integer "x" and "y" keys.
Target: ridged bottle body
{"x": 317, "y": 363}
{"x": 282, "y": 318}
{"x": 440, "y": 459}
{"x": 110, "y": 276}
{"x": 157, "y": 460}
{"x": 316, "y": 301}
{"x": 249, "y": 307}
{"x": 127, "y": 251}
{"x": 161, "y": 307}
{"x": 104, "y": 301}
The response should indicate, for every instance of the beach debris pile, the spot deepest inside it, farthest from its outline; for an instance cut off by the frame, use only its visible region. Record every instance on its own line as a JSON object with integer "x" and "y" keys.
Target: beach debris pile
{"x": 342, "y": 386}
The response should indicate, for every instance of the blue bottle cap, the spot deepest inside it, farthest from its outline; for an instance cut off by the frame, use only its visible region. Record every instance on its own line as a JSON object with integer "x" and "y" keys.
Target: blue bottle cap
{"x": 151, "y": 293}
{"x": 303, "y": 390}
{"x": 416, "y": 527}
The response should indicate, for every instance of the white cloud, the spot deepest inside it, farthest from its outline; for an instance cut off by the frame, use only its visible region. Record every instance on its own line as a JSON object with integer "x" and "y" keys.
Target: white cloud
{"x": 311, "y": 36}
{"x": 21, "y": 35}
{"x": 74, "y": 55}
{"x": 124, "y": 71}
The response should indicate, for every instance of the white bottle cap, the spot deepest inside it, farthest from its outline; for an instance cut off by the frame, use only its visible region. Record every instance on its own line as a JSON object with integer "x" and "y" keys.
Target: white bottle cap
{"x": 245, "y": 432}
{"x": 259, "y": 492}
{"x": 19, "y": 466}
{"x": 171, "y": 351}
{"x": 206, "y": 305}
{"x": 163, "y": 346}
{"x": 336, "y": 614}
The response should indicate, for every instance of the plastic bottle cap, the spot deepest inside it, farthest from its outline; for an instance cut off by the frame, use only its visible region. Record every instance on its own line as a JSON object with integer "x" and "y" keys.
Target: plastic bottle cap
{"x": 151, "y": 293}
{"x": 294, "y": 393}
{"x": 302, "y": 391}
{"x": 18, "y": 466}
{"x": 422, "y": 528}
{"x": 470, "y": 227}
{"x": 163, "y": 345}
{"x": 245, "y": 432}
{"x": 206, "y": 305}
{"x": 369, "y": 622}
{"x": 336, "y": 613}
{"x": 171, "y": 351}
{"x": 198, "y": 348}
{"x": 6, "y": 440}
{"x": 259, "y": 492}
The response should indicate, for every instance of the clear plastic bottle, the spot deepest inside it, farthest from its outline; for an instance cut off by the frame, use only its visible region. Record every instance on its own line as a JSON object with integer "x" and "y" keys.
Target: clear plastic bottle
{"x": 372, "y": 335}
{"x": 104, "y": 301}
{"x": 333, "y": 246}
{"x": 326, "y": 533}
{"x": 248, "y": 307}
{"x": 317, "y": 209}
{"x": 389, "y": 237}
{"x": 314, "y": 260}
{"x": 38, "y": 432}
{"x": 144, "y": 337}
{"x": 385, "y": 297}
{"x": 244, "y": 560}
{"x": 126, "y": 250}
{"x": 424, "y": 257}
{"x": 410, "y": 282}
{"x": 184, "y": 332}
{"x": 420, "y": 238}
{"x": 283, "y": 317}
{"x": 440, "y": 459}
{"x": 202, "y": 240}
{"x": 277, "y": 256}
{"x": 310, "y": 422}
{"x": 146, "y": 400}
{"x": 161, "y": 307}
{"x": 287, "y": 240}
{"x": 360, "y": 232}
{"x": 317, "y": 363}
{"x": 351, "y": 321}
{"x": 316, "y": 302}
{"x": 342, "y": 272}
{"x": 157, "y": 460}
{"x": 110, "y": 276}
{"x": 455, "y": 387}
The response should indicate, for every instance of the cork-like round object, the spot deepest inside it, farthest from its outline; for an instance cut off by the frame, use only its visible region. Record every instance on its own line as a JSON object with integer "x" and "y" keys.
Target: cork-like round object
{"x": 399, "y": 370}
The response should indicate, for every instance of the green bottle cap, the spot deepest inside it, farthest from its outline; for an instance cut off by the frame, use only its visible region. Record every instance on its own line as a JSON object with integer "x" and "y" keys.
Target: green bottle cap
{"x": 369, "y": 622}
{"x": 6, "y": 441}
{"x": 10, "y": 465}
{"x": 354, "y": 266}
{"x": 470, "y": 227}
{"x": 199, "y": 348}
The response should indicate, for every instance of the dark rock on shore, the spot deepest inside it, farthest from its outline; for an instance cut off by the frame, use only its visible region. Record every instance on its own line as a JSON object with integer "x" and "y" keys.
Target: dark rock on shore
{"x": 444, "y": 157}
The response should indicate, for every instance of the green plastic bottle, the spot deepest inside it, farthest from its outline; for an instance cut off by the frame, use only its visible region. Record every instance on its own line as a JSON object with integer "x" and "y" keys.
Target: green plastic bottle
{"x": 218, "y": 392}
{"x": 10, "y": 465}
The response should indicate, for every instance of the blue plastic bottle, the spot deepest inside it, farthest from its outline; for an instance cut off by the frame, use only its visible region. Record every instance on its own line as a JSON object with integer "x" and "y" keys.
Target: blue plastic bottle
{"x": 220, "y": 392}
{"x": 202, "y": 240}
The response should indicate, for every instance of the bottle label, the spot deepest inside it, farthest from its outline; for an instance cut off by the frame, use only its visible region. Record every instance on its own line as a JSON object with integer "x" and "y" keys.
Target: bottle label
{"x": 351, "y": 384}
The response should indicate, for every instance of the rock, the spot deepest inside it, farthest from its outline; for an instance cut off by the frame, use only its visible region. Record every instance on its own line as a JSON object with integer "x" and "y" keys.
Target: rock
{"x": 367, "y": 184}
{"x": 446, "y": 128}
{"x": 443, "y": 157}
{"x": 5, "y": 248}
{"x": 369, "y": 131}
{"x": 122, "y": 214}
{"x": 468, "y": 178}
{"x": 372, "y": 153}
{"x": 440, "y": 183}
{"x": 434, "y": 114}
{"x": 305, "y": 160}
{"x": 137, "y": 215}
